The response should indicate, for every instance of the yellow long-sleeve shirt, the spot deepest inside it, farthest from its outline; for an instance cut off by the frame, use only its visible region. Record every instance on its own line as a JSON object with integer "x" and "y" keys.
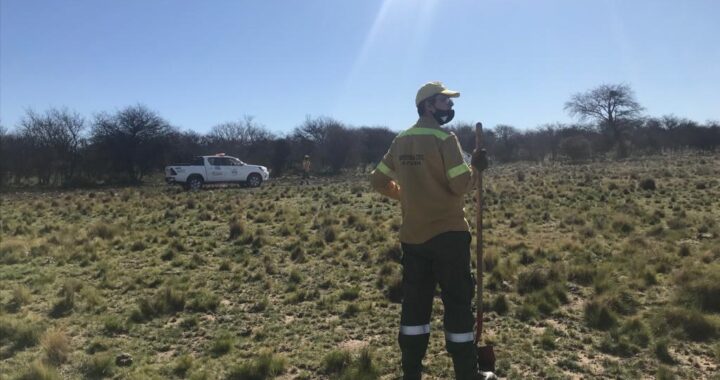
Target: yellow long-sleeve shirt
{"x": 425, "y": 170}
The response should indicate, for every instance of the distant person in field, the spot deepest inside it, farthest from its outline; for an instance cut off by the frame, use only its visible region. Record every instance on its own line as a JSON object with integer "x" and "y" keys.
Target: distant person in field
{"x": 305, "y": 170}
{"x": 424, "y": 169}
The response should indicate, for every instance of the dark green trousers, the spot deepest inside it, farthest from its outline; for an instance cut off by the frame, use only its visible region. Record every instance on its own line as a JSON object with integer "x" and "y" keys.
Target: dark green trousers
{"x": 443, "y": 260}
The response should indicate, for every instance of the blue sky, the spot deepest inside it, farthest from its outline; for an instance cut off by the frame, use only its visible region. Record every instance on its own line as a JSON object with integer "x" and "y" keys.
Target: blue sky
{"x": 201, "y": 63}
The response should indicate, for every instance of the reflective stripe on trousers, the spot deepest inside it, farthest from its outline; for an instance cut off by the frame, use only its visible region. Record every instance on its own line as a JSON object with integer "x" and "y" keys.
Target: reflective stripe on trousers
{"x": 459, "y": 337}
{"x": 415, "y": 330}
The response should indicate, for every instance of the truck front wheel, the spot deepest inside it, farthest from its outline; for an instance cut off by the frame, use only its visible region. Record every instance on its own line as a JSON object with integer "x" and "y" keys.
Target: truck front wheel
{"x": 194, "y": 183}
{"x": 254, "y": 180}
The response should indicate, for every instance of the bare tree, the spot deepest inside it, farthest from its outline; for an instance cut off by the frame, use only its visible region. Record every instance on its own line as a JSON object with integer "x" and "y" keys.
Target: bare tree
{"x": 132, "y": 141}
{"x": 576, "y": 148}
{"x": 315, "y": 130}
{"x": 612, "y": 106}
{"x": 238, "y": 137}
{"x": 507, "y": 141}
{"x": 281, "y": 150}
{"x": 183, "y": 146}
{"x": 341, "y": 144}
{"x": 311, "y": 138}
{"x": 68, "y": 139}
{"x": 374, "y": 143}
{"x": 55, "y": 137}
{"x": 37, "y": 131}
{"x": 465, "y": 133}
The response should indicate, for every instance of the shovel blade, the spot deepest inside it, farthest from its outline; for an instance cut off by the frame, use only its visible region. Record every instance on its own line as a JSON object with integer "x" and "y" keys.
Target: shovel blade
{"x": 486, "y": 358}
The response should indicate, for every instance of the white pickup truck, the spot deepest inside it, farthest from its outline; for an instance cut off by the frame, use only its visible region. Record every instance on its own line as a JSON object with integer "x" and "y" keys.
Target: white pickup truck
{"x": 214, "y": 169}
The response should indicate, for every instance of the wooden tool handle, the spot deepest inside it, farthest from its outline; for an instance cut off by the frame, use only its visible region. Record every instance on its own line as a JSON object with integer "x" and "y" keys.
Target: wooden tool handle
{"x": 479, "y": 241}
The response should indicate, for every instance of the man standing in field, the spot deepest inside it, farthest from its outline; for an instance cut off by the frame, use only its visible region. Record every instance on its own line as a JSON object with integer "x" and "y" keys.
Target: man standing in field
{"x": 305, "y": 170}
{"x": 425, "y": 171}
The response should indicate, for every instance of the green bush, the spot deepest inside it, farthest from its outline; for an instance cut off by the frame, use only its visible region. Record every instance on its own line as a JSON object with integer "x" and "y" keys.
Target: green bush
{"x": 260, "y": 305}
{"x": 621, "y": 301}
{"x": 700, "y": 287}
{"x": 263, "y": 367}
{"x": 237, "y": 228}
{"x": 684, "y": 250}
{"x": 647, "y": 184}
{"x": 20, "y": 296}
{"x": 203, "y": 300}
{"x": 662, "y": 352}
{"x": 649, "y": 277}
{"x": 390, "y": 252}
{"x": 637, "y": 332}
{"x": 500, "y": 305}
{"x": 622, "y": 224}
{"x": 532, "y": 279}
{"x": 363, "y": 368}
{"x": 351, "y": 310}
{"x": 547, "y": 340}
{"x": 102, "y": 231}
{"x": 329, "y": 234}
{"x": 11, "y": 253}
{"x": 394, "y": 290}
{"x": 222, "y": 343}
{"x": 97, "y": 345}
{"x": 598, "y": 315}
{"x": 138, "y": 246}
{"x": 189, "y": 322}
{"x": 66, "y": 303}
{"x": 527, "y": 312}
{"x": 582, "y": 274}
{"x": 39, "y": 371}
{"x": 694, "y": 324}
{"x": 617, "y": 344}
{"x": 99, "y": 366}
{"x": 166, "y": 301}
{"x": 349, "y": 294}
{"x": 168, "y": 254}
{"x": 336, "y": 361}
{"x": 295, "y": 277}
{"x": 182, "y": 365}
{"x": 21, "y": 333}
{"x": 665, "y": 373}
{"x": 543, "y": 302}
{"x": 113, "y": 324}
{"x": 297, "y": 254}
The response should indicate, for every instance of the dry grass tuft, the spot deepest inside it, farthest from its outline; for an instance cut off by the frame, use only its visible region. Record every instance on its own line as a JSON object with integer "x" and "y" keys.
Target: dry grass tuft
{"x": 56, "y": 345}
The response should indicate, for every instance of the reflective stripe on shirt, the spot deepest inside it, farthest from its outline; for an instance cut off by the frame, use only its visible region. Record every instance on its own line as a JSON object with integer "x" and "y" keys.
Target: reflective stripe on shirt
{"x": 386, "y": 170}
{"x": 415, "y": 131}
{"x": 456, "y": 171}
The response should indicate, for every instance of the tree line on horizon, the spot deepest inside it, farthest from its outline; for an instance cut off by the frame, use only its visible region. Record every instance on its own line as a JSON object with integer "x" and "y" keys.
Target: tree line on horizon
{"x": 60, "y": 147}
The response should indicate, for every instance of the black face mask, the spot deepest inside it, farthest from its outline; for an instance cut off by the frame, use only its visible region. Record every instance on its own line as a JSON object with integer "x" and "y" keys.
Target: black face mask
{"x": 443, "y": 117}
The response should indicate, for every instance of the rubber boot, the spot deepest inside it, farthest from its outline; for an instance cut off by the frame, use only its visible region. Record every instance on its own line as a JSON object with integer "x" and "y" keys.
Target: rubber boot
{"x": 464, "y": 360}
{"x": 412, "y": 348}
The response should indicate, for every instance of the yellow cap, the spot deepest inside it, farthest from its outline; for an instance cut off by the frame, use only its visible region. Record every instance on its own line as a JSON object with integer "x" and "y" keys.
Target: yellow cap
{"x": 433, "y": 88}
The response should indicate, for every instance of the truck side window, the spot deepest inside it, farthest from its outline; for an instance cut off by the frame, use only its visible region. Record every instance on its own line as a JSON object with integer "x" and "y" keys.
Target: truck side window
{"x": 214, "y": 161}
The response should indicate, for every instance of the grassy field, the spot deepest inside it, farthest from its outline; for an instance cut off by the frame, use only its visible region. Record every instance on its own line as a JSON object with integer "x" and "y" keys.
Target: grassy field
{"x": 604, "y": 270}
